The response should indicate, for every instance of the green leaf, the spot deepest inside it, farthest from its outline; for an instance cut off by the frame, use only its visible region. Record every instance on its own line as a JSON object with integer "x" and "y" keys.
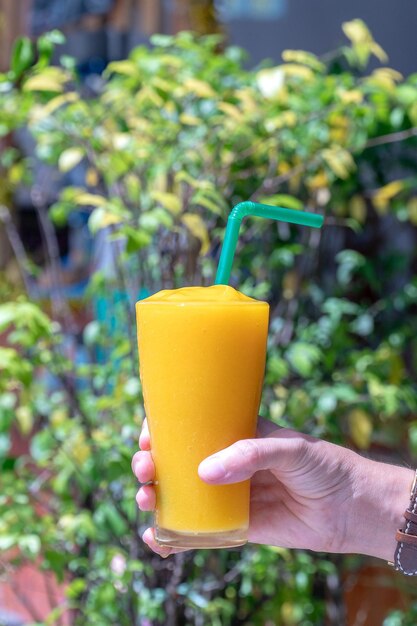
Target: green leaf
{"x": 162, "y": 41}
{"x": 349, "y": 261}
{"x": 22, "y": 56}
{"x": 282, "y": 199}
{"x": 30, "y": 545}
{"x": 136, "y": 239}
{"x": 200, "y": 199}
{"x": 277, "y": 369}
{"x": 91, "y": 333}
{"x": 303, "y": 357}
{"x": 46, "y": 45}
{"x": 75, "y": 588}
{"x": 4, "y": 444}
{"x": 7, "y": 542}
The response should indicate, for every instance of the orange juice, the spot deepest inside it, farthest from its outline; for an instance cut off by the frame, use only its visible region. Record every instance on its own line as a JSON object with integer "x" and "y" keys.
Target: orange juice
{"x": 202, "y": 356}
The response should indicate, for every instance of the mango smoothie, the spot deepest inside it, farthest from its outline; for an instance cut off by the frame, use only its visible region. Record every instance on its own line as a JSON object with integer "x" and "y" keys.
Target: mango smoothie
{"x": 202, "y": 357}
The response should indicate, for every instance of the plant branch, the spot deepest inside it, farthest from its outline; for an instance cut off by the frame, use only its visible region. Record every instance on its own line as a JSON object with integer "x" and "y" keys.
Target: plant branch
{"x": 17, "y": 246}
{"x": 58, "y": 303}
{"x": 391, "y": 138}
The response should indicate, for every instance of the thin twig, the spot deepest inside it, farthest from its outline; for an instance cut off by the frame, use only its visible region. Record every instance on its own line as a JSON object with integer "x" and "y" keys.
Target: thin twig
{"x": 17, "y": 246}
{"x": 58, "y": 302}
{"x": 392, "y": 137}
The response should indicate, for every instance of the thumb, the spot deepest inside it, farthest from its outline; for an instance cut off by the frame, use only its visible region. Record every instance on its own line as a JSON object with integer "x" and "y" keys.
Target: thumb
{"x": 241, "y": 460}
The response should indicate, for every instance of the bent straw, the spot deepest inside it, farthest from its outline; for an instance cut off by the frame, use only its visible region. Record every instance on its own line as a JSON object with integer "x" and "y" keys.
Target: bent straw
{"x": 244, "y": 209}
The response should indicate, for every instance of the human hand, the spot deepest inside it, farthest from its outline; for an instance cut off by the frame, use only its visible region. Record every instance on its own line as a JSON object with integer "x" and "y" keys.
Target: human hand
{"x": 305, "y": 492}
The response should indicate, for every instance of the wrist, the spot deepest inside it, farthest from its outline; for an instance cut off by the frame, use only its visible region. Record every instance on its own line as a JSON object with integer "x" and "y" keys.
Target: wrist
{"x": 380, "y": 495}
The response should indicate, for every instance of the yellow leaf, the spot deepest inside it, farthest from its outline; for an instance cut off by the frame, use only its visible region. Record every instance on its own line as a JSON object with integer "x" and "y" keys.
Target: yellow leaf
{"x": 247, "y": 100}
{"x": 162, "y": 84}
{"x": 70, "y": 158}
{"x": 290, "y": 284}
{"x": 185, "y": 177}
{"x": 339, "y": 125}
{"x": 200, "y": 87}
{"x": 360, "y": 428}
{"x": 57, "y": 102}
{"x": 357, "y": 31}
{"x": 201, "y": 200}
{"x": 297, "y": 71}
{"x": 384, "y": 194}
{"x": 318, "y": 181}
{"x": 385, "y": 77}
{"x": 412, "y": 210}
{"x": 339, "y": 160}
{"x": 198, "y": 229}
{"x": 362, "y": 40}
{"x": 379, "y": 52}
{"x": 168, "y": 200}
{"x": 50, "y": 79}
{"x": 90, "y": 199}
{"x": 24, "y": 418}
{"x": 412, "y": 112}
{"x": 126, "y": 67}
{"x": 351, "y": 96}
{"x": 101, "y": 218}
{"x": 147, "y": 93}
{"x": 91, "y": 177}
{"x": 358, "y": 209}
{"x": 42, "y": 83}
{"x": 189, "y": 120}
{"x": 58, "y": 417}
{"x": 286, "y": 119}
{"x": 80, "y": 449}
{"x": 302, "y": 57}
{"x": 231, "y": 110}
{"x": 277, "y": 409}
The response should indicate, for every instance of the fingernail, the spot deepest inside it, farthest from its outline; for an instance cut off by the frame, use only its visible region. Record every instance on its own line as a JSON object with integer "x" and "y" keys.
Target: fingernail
{"x": 212, "y": 469}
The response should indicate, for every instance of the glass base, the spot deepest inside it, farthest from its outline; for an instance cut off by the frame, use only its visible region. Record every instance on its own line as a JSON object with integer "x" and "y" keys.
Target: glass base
{"x": 226, "y": 539}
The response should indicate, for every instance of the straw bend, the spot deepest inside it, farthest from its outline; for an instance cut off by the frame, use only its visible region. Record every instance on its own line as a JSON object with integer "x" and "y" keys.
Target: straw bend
{"x": 244, "y": 209}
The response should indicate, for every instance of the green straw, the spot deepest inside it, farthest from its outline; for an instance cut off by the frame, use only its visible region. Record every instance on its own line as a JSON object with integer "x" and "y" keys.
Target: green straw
{"x": 243, "y": 209}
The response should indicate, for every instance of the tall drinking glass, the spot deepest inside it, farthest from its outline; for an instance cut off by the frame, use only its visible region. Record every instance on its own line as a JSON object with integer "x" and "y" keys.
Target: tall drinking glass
{"x": 202, "y": 357}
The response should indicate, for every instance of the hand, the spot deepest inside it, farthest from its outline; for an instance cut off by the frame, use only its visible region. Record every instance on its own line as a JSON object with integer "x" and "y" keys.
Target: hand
{"x": 305, "y": 492}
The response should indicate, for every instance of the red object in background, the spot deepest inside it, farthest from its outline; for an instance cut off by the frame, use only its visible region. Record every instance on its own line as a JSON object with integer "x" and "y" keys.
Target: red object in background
{"x": 27, "y": 593}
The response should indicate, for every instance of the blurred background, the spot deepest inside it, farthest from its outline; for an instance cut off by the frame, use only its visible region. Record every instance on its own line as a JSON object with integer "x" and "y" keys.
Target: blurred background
{"x": 128, "y": 129}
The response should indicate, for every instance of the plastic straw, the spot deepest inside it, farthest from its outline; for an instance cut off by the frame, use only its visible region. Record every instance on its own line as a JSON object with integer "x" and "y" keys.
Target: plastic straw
{"x": 244, "y": 209}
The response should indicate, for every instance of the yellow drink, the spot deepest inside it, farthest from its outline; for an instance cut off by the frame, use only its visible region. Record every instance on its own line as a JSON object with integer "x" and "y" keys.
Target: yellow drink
{"x": 202, "y": 356}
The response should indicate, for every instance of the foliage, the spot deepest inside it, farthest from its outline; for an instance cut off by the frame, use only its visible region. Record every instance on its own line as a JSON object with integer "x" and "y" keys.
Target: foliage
{"x": 173, "y": 138}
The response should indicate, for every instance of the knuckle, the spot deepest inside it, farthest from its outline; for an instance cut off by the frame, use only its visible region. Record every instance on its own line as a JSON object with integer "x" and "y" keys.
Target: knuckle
{"x": 249, "y": 449}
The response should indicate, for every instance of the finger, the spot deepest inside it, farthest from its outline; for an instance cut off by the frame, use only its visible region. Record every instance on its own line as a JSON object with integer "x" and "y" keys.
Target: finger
{"x": 281, "y": 450}
{"x": 146, "y": 498}
{"x": 143, "y": 466}
{"x": 163, "y": 551}
{"x": 144, "y": 437}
